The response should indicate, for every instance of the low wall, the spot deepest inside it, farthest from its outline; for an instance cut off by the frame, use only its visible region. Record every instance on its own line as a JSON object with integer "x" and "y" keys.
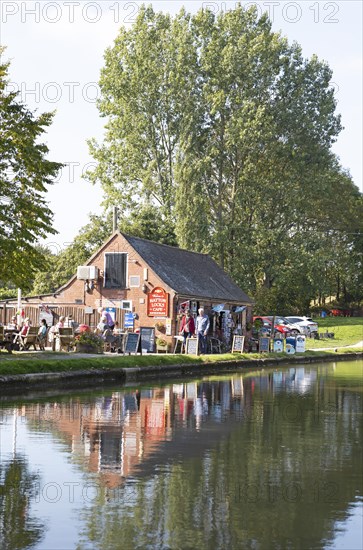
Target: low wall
{"x": 21, "y": 384}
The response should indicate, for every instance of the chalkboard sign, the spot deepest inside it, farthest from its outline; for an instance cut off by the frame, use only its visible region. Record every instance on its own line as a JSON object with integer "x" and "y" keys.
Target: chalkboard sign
{"x": 264, "y": 345}
{"x": 238, "y": 343}
{"x": 191, "y": 346}
{"x": 132, "y": 342}
{"x": 147, "y": 338}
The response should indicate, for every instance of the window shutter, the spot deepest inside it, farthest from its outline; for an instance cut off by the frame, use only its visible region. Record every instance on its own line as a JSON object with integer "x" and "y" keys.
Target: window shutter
{"x": 115, "y": 270}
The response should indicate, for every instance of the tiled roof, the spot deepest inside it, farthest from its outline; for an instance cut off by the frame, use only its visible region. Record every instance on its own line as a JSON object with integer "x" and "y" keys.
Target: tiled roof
{"x": 188, "y": 273}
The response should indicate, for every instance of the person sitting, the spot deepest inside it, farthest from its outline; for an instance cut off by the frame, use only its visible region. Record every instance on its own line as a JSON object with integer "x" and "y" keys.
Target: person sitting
{"x": 102, "y": 325}
{"x": 42, "y": 333}
{"x": 116, "y": 328}
{"x": 23, "y": 333}
{"x": 13, "y": 324}
{"x": 25, "y": 328}
{"x": 54, "y": 329}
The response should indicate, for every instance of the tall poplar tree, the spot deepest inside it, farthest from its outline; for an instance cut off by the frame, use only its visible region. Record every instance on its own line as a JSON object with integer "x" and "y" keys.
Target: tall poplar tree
{"x": 144, "y": 85}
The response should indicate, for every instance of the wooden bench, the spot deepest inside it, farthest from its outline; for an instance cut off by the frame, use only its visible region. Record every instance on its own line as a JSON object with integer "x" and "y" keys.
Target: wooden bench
{"x": 65, "y": 337}
{"x": 31, "y": 339}
{"x": 4, "y": 342}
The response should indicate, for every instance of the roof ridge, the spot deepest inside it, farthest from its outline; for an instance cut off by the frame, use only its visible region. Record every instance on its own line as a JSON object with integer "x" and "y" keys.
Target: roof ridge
{"x": 126, "y": 235}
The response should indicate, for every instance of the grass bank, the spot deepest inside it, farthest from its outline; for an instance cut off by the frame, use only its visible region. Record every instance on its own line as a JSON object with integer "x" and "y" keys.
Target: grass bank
{"x": 58, "y": 363}
{"x": 348, "y": 331}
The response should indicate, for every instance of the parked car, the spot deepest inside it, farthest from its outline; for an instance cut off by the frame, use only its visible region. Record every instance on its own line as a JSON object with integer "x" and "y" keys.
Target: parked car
{"x": 282, "y": 326}
{"x": 308, "y": 325}
{"x": 293, "y": 328}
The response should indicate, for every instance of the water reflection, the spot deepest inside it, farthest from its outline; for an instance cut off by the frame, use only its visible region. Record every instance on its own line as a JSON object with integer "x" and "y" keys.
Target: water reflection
{"x": 265, "y": 460}
{"x": 18, "y": 529}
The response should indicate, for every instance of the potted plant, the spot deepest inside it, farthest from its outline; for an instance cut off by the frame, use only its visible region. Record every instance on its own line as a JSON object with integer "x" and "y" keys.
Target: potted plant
{"x": 89, "y": 342}
{"x": 160, "y": 327}
{"x": 161, "y": 344}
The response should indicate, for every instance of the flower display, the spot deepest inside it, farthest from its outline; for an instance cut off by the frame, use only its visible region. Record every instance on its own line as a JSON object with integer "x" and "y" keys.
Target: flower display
{"x": 160, "y": 327}
{"x": 90, "y": 339}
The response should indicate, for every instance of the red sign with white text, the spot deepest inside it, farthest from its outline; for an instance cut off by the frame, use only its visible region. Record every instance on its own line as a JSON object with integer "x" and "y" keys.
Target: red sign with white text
{"x": 158, "y": 303}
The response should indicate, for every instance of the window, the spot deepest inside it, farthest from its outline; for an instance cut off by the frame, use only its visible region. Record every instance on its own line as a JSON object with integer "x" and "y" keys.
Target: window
{"x": 115, "y": 270}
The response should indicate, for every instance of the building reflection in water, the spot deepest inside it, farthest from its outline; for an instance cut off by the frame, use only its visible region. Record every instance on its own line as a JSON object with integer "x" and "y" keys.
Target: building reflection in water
{"x": 271, "y": 458}
{"x": 114, "y": 434}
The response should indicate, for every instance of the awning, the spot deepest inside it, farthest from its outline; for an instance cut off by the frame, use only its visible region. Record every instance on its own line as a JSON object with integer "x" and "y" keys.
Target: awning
{"x": 239, "y": 309}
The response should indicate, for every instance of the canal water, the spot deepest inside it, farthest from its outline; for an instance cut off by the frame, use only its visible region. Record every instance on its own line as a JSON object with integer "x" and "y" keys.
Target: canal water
{"x": 266, "y": 459}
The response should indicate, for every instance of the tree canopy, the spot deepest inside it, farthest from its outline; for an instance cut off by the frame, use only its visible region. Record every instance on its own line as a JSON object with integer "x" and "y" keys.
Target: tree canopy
{"x": 25, "y": 173}
{"x": 225, "y": 129}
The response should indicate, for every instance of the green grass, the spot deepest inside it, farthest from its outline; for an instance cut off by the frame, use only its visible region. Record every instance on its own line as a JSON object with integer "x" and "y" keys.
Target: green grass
{"x": 348, "y": 331}
{"x": 27, "y": 363}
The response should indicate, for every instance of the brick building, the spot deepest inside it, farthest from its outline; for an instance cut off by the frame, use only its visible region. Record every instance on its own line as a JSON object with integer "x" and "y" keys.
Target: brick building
{"x": 143, "y": 283}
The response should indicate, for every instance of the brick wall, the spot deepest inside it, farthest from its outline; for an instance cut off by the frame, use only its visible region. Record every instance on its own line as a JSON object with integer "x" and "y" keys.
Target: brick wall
{"x": 74, "y": 291}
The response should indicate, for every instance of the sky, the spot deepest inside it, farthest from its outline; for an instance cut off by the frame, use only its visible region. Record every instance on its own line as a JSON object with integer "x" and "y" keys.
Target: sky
{"x": 56, "y": 52}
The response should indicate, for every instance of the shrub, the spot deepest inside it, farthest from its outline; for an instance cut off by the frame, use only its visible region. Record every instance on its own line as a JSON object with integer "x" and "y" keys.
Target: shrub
{"x": 90, "y": 339}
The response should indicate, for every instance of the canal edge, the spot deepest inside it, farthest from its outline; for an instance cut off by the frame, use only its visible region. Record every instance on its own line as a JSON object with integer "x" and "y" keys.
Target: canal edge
{"x": 95, "y": 377}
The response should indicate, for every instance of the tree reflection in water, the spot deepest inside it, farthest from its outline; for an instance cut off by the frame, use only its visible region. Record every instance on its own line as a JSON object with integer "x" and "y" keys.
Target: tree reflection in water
{"x": 264, "y": 460}
{"x": 17, "y": 488}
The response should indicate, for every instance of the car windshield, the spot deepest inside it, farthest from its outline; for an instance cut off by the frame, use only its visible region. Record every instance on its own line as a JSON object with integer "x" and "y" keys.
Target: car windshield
{"x": 282, "y": 321}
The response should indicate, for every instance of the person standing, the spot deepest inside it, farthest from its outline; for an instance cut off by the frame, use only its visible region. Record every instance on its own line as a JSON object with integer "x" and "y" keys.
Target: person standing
{"x": 201, "y": 329}
{"x": 187, "y": 326}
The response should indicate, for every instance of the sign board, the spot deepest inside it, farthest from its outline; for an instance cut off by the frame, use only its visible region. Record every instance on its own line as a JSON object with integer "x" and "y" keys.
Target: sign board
{"x": 278, "y": 345}
{"x": 158, "y": 303}
{"x": 88, "y": 310}
{"x": 290, "y": 347}
{"x": 264, "y": 344}
{"x": 300, "y": 344}
{"x": 129, "y": 319}
{"x": 191, "y": 346}
{"x": 132, "y": 342}
{"x": 168, "y": 327}
{"x": 238, "y": 343}
{"x": 147, "y": 339}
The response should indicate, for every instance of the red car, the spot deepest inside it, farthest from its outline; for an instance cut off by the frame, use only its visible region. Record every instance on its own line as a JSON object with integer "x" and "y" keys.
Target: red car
{"x": 267, "y": 322}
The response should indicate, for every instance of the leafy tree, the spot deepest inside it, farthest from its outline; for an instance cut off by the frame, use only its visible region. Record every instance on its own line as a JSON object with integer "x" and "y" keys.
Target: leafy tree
{"x": 61, "y": 267}
{"x": 146, "y": 222}
{"x": 18, "y": 528}
{"x": 24, "y": 174}
{"x": 144, "y": 86}
{"x": 226, "y": 130}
